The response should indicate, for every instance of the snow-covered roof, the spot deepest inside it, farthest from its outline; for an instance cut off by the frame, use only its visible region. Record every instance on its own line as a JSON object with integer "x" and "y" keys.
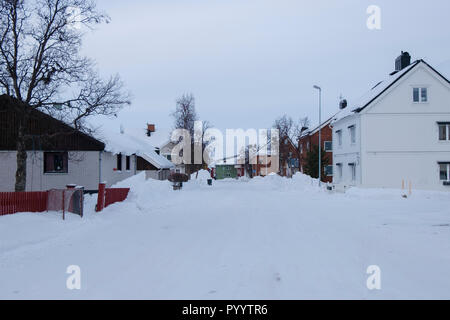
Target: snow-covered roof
{"x": 378, "y": 89}
{"x": 319, "y": 127}
{"x": 129, "y": 143}
{"x": 375, "y": 92}
{"x": 158, "y": 139}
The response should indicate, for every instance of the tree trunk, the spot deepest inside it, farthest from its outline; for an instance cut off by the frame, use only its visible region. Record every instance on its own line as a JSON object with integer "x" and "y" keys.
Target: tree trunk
{"x": 21, "y": 172}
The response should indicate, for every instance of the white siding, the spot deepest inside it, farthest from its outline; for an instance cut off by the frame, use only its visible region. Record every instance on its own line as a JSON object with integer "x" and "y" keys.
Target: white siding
{"x": 348, "y": 152}
{"x": 83, "y": 170}
{"x": 397, "y": 139}
{"x": 400, "y": 137}
{"x": 109, "y": 163}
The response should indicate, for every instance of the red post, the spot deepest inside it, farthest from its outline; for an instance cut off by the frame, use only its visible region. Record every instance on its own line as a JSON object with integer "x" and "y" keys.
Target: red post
{"x": 101, "y": 197}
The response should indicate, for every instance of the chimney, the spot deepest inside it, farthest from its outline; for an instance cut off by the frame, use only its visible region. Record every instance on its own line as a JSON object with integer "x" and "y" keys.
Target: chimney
{"x": 402, "y": 61}
{"x": 343, "y": 104}
{"x": 150, "y": 129}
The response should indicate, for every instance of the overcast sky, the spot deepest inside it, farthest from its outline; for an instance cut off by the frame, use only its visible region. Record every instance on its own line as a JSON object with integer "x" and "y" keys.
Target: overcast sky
{"x": 250, "y": 61}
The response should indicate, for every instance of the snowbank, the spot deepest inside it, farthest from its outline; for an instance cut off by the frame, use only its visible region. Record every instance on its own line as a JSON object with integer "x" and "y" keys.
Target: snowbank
{"x": 201, "y": 176}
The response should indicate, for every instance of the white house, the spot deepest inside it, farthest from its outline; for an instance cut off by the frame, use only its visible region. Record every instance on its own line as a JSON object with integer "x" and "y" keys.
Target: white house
{"x": 58, "y": 155}
{"x": 398, "y": 133}
{"x": 135, "y": 152}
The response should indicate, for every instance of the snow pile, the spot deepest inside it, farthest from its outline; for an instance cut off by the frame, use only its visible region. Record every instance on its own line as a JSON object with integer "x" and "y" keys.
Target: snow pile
{"x": 201, "y": 176}
{"x": 142, "y": 193}
{"x": 269, "y": 238}
{"x": 275, "y": 182}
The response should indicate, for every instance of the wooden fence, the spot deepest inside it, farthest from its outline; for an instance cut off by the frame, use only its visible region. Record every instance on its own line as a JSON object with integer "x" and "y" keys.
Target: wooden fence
{"x": 13, "y": 202}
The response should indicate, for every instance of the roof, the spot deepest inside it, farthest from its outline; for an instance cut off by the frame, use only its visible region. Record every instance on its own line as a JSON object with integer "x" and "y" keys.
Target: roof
{"x": 319, "y": 127}
{"x": 374, "y": 93}
{"x": 158, "y": 139}
{"x": 129, "y": 143}
{"x": 43, "y": 131}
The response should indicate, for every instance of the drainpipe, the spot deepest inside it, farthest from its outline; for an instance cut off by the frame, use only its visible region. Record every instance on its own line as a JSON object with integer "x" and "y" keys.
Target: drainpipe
{"x": 100, "y": 167}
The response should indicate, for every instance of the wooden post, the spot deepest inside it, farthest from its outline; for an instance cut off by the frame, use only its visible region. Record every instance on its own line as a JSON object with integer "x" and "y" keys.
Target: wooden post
{"x": 410, "y": 188}
{"x": 403, "y": 184}
{"x": 101, "y": 197}
{"x": 63, "y": 205}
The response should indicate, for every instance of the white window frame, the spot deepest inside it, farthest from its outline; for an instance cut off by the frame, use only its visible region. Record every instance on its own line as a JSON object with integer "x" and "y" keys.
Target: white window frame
{"x": 339, "y": 137}
{"x": 352, "y": 131}
{"x": 352, "y": 166}
{"x": 325, "y": 148}
{"x": 420, "y": 88}
{"x": 339, "y": 170}
{"x": 447, "y": 128}
{"x": 448, "y": 171}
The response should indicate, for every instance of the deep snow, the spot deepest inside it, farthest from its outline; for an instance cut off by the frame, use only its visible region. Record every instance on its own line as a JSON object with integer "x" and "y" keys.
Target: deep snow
{"x": 266, "y": 238}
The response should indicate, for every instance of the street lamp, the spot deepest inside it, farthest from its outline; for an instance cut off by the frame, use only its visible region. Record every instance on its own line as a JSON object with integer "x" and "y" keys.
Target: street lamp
{"x": 320, "y": 134}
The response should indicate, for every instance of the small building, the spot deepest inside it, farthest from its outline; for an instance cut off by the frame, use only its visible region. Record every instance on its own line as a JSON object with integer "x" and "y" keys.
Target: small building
{"x": 226, "y": 169}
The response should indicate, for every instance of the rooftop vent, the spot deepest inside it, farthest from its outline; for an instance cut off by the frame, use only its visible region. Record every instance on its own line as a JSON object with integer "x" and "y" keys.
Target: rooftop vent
{"x": 343, "y": 104}
{"x": 402, "y": 61}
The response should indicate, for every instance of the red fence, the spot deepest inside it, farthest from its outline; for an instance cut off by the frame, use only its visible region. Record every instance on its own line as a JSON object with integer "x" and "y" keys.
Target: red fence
{"x": 113, "y": 195}
{"x": 13, "y": 202}
{"x": 65, "y": 200}
{"x": 108, "y": 196}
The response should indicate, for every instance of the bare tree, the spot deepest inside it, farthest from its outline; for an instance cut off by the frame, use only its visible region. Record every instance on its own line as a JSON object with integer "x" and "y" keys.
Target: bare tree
{"x": 185, "y": 117}
{"x": 41, "y": 65}
{"x": 290, "y": 133}
{"x": 285, "y": 126}
{"x": 185, "y": 114}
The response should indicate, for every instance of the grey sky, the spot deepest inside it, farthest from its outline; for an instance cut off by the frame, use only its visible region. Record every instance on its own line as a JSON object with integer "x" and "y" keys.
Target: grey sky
{"x": 249, "y": 61}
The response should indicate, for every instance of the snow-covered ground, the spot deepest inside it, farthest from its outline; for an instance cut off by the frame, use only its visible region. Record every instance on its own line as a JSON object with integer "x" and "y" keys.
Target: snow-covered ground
{"x": 268, "y": 238}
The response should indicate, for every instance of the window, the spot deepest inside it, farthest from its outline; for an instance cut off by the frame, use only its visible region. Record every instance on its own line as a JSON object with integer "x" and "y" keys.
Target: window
{"x": 169, "y": 157}
{"x": 328, "y": 146}
{"x": 352, "y": 130}
{"x": 119, "y": 162}
{"x": 56, "y": 162}
{"x": 127, "y": 163}
{"x": 420, "y": 95}
{"x": 339, "y": 137}
{"x": 329, "y": 171}
{"x": 352, "y": 167}
{"x": 444, "y": 131}
{"x": 307, "y": 146}
{"x": 339, "y": 170}
{"x": 301, "y": 147}
{"x": 444, "y": 171}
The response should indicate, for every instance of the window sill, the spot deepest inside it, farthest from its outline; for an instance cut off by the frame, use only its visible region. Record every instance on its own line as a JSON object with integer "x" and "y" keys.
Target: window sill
{"x": 55, "y": 173}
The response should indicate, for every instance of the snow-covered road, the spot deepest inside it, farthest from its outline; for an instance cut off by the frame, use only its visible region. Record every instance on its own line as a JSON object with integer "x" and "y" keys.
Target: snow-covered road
{"x": 269, "y": 238}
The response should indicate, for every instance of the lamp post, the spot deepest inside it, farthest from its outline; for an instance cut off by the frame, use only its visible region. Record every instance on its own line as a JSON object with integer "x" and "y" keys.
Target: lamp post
{"x": 320, "y": 133}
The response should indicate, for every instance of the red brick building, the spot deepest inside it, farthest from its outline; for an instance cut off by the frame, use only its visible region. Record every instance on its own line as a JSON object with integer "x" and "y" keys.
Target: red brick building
{"x": 311, "y": 138}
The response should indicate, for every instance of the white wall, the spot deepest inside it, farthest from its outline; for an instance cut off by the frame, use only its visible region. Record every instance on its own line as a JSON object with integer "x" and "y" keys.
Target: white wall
{"x": 109, "y": 163}
{"x": 400, "y": 137}
{"x": 348, "y": 152}
{"x": 83, "y": 170}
